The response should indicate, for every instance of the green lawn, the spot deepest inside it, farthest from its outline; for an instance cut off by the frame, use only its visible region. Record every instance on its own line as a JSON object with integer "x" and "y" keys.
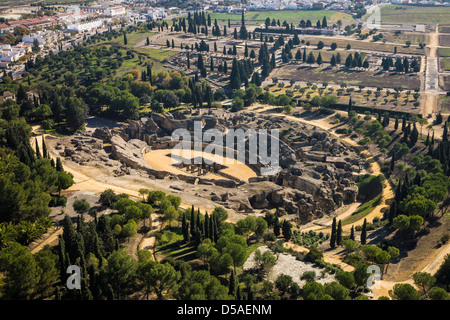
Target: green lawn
{"x": 363, "y": 210}
{"x": 444, "y": 52}
{"x": 414, "y": 14}
{"x": 447, "y": 64}
{"x": 291, "y": 16}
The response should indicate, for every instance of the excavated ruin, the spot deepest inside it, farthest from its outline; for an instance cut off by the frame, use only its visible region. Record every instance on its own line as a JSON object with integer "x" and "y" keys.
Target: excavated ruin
{"x": 317, "y": 173}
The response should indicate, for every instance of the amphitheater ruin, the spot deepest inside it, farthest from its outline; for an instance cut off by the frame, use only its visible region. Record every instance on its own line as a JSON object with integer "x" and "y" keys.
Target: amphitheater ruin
{"x": 317, "y": 173}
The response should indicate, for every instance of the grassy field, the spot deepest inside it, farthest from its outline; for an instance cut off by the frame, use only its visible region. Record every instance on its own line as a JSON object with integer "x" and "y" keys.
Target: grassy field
{"x": 156, "y": 55}
{"x": 446, "y": 63}
{"x": 291, "y": 16}
{"x": 444, "y": 52}
{"x": 415, "y": 14}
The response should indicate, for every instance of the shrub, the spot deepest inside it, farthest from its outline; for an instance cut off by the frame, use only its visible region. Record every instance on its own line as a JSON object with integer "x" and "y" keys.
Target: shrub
{"x": 269, "y": 236}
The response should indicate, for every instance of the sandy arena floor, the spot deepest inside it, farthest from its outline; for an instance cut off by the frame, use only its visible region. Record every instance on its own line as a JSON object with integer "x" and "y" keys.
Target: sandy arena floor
{"x": 160, "y": 160}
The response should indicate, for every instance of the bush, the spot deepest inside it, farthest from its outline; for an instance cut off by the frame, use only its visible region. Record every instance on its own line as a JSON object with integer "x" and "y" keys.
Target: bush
{"x": 56, "y": 201}
{"x": 269, "y": 236}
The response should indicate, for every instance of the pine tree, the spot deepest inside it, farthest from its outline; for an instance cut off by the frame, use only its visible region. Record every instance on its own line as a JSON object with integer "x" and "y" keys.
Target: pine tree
{"x": 333, "y": 234}
{"x": 364, "y": 232}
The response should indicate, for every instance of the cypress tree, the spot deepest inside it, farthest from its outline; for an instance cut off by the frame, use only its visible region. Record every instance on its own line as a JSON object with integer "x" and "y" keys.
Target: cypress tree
{"x": 339, "y": 234}
{"x": 235, "y": 80}
{"x": 392, "y": 212}
{"x": 276, "y": 227}
{"x": 38, "y": 152}
{"x": 44, "y": 148}
{"x": 206, "y": 224}
{"x": 59, "y": 166}
{"x": 319, "y": 59}
{"x": 352, "y": 233}
{"x": 198, "y": 222}
{"x": 333, "y": 234}
{"x": 62, "y": 258}
{"x": 286, "y": 228}
{"x": 392, "y": 163}
{"x": 212, "y": 228}
{"x": 239, "y": 293}
{"x": 364, "y": 232}
{"x": 192, "y": 221}
{"x": 324, "y": 22}
{"x": 125, "y": 41}
{"x": 311, "y": 59}
{"x": 333, "y": 60}
{"x": 396, "y": 123}
{"x": 232, "y": 285}
{"x": 183, "y": 227}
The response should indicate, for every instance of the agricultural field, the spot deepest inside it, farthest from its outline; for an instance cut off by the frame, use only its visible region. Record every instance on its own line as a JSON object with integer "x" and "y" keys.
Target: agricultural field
{"x": 257, "y": 18}
{"x": 351, "y": 77}
{"x": 444, "y": 40}
{"x": 384, "y": 100}
{"x": 414, "y": 37}
{"x": 410, "y": 14}
{"x": 363, "y": 45}
{"x": 444, "y": 29}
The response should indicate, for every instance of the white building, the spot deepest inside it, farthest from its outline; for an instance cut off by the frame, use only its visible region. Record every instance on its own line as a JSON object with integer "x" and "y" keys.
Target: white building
{"x": 44, "y": 38}
{"x": 110, "y": 11}
{"x": 85, "y": 26}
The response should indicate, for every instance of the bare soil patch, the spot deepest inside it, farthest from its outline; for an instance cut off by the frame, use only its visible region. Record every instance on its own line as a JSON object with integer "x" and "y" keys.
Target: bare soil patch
{"x": 349, "y": 76}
